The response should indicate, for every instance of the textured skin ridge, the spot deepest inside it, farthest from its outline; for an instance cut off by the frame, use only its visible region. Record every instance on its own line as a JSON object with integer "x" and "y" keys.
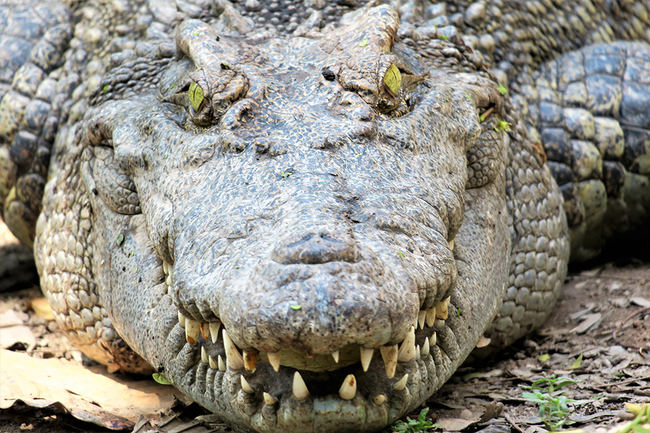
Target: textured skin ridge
{"x": 32, "y": 103}
{"x": 591, "y": 110}
{"x": 319, "y": 179}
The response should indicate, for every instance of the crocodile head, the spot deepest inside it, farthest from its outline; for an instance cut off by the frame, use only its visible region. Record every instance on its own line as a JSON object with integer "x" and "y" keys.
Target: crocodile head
{"x": 296, "y": 236}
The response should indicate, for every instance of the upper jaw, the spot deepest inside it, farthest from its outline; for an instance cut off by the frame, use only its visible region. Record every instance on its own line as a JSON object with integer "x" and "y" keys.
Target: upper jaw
{"x": 313, "y": 309}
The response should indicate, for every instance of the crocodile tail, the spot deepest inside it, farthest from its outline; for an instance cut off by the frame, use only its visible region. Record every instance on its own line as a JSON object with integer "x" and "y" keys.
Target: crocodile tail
{"x": 33, "y": 98}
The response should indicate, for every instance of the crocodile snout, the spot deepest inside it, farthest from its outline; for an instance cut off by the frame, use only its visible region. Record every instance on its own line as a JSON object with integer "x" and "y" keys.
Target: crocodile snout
{"x": 316, "y": 247}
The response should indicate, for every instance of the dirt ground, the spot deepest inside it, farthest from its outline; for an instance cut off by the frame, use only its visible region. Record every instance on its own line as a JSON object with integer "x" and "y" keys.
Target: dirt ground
{"x": 596, "y": 342}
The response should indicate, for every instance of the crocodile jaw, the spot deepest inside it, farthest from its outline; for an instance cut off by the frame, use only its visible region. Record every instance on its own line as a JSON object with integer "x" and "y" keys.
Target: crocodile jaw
{"x": 147, "y": 318}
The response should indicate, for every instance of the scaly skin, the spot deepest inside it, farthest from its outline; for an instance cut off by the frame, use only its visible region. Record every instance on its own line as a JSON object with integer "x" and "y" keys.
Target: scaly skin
{"x": 220, "y": 207}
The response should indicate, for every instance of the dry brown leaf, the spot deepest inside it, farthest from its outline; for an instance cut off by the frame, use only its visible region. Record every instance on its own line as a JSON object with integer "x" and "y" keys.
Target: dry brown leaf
{"x": 589, "y": 320}
{"x": 107, "y": 400}
{"x": 11, "y": 335}
{"x": 13, "y": 331}
{"x": 11, "y": 318}
{"x": 641, "y": 302}
{"x": 42, "y": 308}
{"x": 455, "y": 424}
{"x": 483, "y": 341}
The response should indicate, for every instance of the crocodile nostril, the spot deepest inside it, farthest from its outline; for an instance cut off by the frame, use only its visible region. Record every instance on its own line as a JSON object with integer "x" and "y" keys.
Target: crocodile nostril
{"x": 315, "y": 248}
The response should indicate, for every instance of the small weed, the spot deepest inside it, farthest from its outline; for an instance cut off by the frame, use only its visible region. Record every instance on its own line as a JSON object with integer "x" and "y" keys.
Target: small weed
{"x": 502, "y": 89}
{"x": 577, "y": 363}
{"x": 502, "y": 126}
{"x": 415, "y": 425}
{"x": 641, "y": 423}
{"x": 286, "y": 173}
{"x": 553, "y": 405}
{"x": 161, "y": 379}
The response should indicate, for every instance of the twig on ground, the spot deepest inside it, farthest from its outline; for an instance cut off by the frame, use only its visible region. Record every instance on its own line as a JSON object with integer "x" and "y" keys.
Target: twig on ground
{"x": 512, "y": 423}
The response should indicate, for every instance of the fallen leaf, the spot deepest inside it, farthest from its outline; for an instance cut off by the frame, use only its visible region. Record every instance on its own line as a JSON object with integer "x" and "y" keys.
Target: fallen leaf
{"x": 12, "y": 331}
{"x": 636, "y": 408}
{"x": 42, "y": 308}
{"x": 90, "y": 395}
{"x": 11, "y": 335}
{"x": 11, "y": 318}
{"x": 497, "y": 372}
{"x": 455, "y": 424}
{"x": 492, "y": 410}
{"x": 588, "y": 322}
{"x": 641, "y": 302}
{"x": 483, "y": 341}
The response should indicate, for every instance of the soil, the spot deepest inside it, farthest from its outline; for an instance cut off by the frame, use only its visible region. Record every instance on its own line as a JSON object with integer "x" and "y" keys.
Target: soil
{"x": 596, "y": 342}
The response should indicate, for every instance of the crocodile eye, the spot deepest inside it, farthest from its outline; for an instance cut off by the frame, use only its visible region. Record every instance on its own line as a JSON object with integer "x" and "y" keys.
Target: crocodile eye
{"x": 195, "y": 95}
{"x": 393, "y": 80}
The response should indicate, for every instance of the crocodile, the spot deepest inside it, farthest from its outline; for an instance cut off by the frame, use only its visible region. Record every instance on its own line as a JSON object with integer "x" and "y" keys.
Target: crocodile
{"x": 307, "y": 215}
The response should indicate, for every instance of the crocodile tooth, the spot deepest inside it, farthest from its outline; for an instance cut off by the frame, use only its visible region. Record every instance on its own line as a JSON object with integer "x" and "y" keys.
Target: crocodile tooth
{"x": 407, "y": 348}
{"x": 335, "y": 355}
{"x": 379, "y": 399}
{"x": 213, "y": 364}
{"x": 401, "y": 384}
{"x": 168, "y": 280}
{"x": 245, "y": 386}
{"x": 442, "y": 309}
{"x": 181, "y": 319}
{"x": 389, "y": 355}
{"x": 205, "y": 331}
{"x": 204, "y": 355}
{"x": 299, "y": 388}
{"x": 191, "y": 330}
{"x": 348, "y": 388}
{"x": 451, "y": 245}
{"x": 269, "y": 399}
{"x": 422, "y": 315}
{"x": 425, "y": 347}
{"x": 483, "y": 341}
{"x": 431, "y": 317}
{"x": 417, "y": 352}
{"x": 220, "y": 363}
{"x": 233, "y": 357}
{"x": 433, "y": 339}
{"x": 274, "y": 360}
{"x": 250, "y": 360}
{"x": 214, "y": 330}
{"x": 366, "y": 357}
{"x": 165, "y": 267}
